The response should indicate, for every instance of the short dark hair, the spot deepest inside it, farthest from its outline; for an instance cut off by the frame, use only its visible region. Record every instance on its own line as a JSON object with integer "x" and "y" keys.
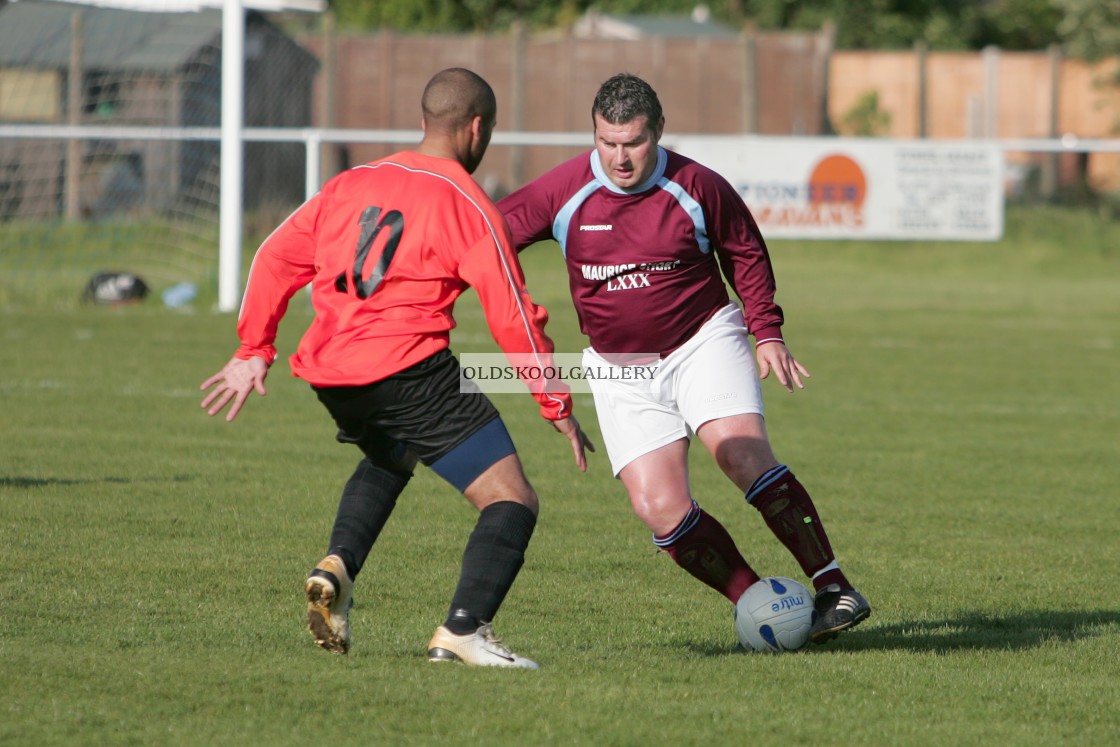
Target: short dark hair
{"x": 455, "y": 96}
{"x": 625, "y": 97}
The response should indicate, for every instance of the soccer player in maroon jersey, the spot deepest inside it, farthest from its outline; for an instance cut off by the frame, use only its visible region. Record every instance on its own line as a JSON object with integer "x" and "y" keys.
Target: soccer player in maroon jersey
{"x": 649, "y": 236}
{"x": 387, "y": 247}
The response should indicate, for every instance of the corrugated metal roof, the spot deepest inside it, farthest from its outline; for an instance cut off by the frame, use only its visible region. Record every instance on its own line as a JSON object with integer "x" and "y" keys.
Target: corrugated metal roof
{"x": 650, "y": 25}
{"x": 172, "y": 6}
{"x": 596, "y": 25}
{"x": 37, "y": 35}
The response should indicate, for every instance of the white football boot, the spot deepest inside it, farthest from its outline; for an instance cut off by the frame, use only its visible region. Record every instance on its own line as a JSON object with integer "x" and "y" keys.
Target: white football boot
{"x": 480, "y": 648}
{"x": 329, "y": 601}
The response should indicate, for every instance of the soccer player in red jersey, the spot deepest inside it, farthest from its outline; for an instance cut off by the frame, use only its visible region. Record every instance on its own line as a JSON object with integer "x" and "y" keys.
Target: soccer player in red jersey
{"x": 387, "y": 248}
{"x": 649, "y": 236}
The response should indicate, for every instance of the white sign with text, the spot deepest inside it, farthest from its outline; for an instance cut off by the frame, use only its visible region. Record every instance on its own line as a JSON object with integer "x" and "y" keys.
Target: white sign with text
{"x": 860, "y": 188}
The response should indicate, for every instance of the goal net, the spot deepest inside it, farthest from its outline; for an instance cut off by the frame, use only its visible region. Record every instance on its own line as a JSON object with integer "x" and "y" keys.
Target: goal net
{"x": 110, "y": 142}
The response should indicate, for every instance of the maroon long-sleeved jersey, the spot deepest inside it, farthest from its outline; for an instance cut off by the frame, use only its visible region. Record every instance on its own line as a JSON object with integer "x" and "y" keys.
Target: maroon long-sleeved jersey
{"x": 644, "y": 264}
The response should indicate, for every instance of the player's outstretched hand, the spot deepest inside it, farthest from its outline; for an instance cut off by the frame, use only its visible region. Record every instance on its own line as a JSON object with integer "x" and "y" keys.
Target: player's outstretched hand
{"x": 233, "y": 383}
{"x": 775, "y": 356}
{"x": 569, "y": 426}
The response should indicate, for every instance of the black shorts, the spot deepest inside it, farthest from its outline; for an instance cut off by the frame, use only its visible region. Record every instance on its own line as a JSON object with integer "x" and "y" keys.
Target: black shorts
{"x": 421, "y": 410}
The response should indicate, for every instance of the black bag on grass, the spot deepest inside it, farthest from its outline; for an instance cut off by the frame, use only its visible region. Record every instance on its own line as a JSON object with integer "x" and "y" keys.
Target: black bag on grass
{"x": 115, "y": 288}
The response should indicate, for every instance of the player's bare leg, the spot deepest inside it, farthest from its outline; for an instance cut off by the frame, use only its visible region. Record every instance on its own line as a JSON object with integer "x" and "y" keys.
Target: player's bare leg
{"x": 740, "y": 447}
{"x": 657, "y": 483}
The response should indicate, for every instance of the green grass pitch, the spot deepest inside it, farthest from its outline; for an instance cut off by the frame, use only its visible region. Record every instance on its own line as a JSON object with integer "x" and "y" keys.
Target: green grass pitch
{"x": 959, "y": 434}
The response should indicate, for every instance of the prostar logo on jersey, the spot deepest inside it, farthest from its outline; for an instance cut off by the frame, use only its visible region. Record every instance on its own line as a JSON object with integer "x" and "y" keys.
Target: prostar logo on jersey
{"x": 627, "y": 276}
{"x": 597, "y": 227}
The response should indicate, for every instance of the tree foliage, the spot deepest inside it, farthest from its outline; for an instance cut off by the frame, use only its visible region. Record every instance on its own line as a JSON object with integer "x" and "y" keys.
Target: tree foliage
{"x": 866, "y": 118}
{"x": 1090, "y": 28}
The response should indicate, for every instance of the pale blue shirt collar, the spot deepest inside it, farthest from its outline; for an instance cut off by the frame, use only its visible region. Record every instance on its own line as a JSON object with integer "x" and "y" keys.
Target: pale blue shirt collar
{"x": 654, "y": 178}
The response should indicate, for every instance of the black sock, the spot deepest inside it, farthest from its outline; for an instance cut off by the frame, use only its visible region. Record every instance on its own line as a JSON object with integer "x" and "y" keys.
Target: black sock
{"x": 367, "y": 501}
{"x": 494, "y": 555}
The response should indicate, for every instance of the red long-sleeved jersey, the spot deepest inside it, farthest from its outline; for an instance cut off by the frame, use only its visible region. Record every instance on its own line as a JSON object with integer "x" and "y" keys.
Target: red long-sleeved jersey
{"x": 388, "y": 247}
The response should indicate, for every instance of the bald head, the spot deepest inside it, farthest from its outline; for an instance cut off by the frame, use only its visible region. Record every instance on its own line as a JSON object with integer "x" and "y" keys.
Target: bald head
{"x": 459, "y": 114}
{"x": 454, "y": 97}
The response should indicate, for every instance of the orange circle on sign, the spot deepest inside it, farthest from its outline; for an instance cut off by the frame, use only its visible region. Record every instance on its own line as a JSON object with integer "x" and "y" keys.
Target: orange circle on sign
{"x": 837, "y": 180}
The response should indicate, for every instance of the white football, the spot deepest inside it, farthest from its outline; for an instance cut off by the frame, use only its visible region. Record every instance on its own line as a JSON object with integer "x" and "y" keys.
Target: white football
{"x": 775, "y": 615}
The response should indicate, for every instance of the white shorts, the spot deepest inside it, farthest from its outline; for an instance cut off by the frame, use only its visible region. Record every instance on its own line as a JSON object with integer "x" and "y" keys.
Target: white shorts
{"x": 711, "y": 376}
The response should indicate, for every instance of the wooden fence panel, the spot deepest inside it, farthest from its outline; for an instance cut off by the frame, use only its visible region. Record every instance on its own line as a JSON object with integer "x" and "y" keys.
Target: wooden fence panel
{"x": 776, "y": 83}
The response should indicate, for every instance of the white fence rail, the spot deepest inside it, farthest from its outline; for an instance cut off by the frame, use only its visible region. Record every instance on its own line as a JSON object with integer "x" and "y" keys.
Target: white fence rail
{"x": 312, "y": 138}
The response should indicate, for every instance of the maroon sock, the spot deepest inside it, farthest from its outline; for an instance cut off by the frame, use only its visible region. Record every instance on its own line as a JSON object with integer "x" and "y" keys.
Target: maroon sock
{"x": 702, "y": 546}
{"x": 788, "y": 510}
